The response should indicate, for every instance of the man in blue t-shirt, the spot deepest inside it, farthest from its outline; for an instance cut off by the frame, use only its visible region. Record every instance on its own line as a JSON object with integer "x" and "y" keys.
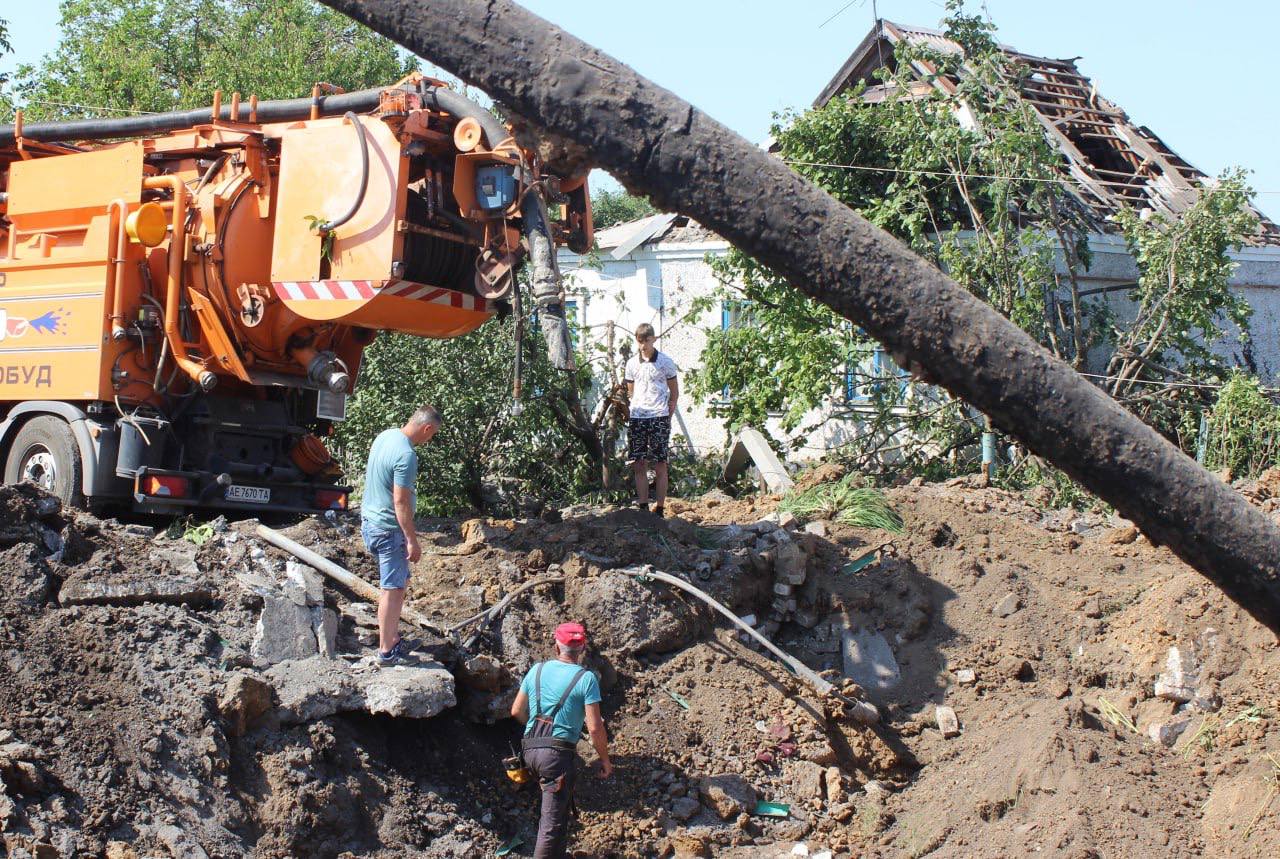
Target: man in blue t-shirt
{"x": 386, "y": 523}
{"x": 555, "y": 699}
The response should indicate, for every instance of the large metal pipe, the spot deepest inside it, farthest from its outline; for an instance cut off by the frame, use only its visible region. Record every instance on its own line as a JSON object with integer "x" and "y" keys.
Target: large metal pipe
{"x": 660, "y": 145}
{"x": 117, "y": 239}
{"x": 283, "y": 110}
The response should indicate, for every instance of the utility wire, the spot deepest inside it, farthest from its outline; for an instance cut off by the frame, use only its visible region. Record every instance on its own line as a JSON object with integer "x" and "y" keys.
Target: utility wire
{"x": 944, "y": 174}
{"x": 839, "y": 11}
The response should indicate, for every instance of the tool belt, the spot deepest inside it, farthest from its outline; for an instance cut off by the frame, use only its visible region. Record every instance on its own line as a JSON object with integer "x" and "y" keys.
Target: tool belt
{"x": 540, "y": 736}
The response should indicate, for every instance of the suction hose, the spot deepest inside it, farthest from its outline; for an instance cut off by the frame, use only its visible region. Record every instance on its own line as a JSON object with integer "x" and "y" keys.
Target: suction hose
{"x": 330, "y": 226}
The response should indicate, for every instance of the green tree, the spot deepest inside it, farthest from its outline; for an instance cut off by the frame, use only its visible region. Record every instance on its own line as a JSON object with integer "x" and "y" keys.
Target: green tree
{"x": 488, "y": 455}
{"x": 617, "y": 207}
{"x": 161, "y": 55}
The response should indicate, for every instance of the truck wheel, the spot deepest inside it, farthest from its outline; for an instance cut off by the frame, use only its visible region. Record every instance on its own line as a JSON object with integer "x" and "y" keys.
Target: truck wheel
{"x": 45, "y": 453}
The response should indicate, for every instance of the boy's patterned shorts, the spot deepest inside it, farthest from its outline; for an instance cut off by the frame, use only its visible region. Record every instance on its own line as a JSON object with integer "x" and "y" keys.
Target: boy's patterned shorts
{"x": 648, "y": 438}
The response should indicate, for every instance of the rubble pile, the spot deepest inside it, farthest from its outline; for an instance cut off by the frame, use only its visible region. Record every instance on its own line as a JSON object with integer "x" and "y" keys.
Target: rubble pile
{"x": 1009, "y": 680}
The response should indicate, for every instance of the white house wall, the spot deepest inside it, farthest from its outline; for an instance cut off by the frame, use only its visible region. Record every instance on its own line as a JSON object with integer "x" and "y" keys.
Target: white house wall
{"x": 619, "y": 291}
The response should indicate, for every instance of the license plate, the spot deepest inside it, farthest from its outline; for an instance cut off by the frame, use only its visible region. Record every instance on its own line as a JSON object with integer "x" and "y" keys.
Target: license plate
{"x": 252, "y": 494}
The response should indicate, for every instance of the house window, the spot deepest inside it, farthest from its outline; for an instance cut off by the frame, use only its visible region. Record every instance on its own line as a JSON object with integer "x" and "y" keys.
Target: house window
{"x": 882, "y": 372}
{"x": 733, "y": 314}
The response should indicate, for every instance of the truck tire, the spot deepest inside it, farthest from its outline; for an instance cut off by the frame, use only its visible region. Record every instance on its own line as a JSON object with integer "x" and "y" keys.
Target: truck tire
{"x": 45, "y": 453}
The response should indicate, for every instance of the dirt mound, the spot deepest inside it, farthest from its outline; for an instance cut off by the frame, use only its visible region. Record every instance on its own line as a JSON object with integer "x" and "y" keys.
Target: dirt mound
{"x": 166, "y": 699}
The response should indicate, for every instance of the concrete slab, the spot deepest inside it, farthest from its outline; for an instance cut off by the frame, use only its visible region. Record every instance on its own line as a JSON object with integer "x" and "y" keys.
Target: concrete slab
{"x": 129, "y": 589}
{"x": 869, "y": 661}
{"x": 310, "y": 689}
{"x": 752, "y": 447}
{"x": 285, "y": 631}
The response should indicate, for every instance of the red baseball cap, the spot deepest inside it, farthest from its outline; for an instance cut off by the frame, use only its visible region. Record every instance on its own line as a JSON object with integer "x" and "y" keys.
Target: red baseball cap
{"x": 571, "y": 635}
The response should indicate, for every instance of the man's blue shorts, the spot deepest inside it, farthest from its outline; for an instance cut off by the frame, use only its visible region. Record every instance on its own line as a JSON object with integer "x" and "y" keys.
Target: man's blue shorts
{"x": 390, "y": 549}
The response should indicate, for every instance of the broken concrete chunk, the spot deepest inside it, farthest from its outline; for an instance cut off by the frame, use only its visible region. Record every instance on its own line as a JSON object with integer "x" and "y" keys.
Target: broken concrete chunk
{"x": 869, "y": 661}
{"x": 966, "y": 676}
{"x": 412, "y": 691}
{"x": 483, "y": 672}
{"x": 783, "y": 589}
{"x": 284, "y": 632}
{"x": 361, "y": 614}
{"x": 683, "y": 808}
{"x": 1178, "y": 682}
{"x": 179, "y": 844}
{"x": 311, "y": 689}
{"x": 129, "y": 589}
{"x": 752, "y": 447}
{"x": 817, "y": 529}
{"x": 1008, "y": 604}
{"x": 948, "y": 722}
{"x": 303, "y": 585}
{"x": 807, "y": 618}
{"x": 1167, "y": 733}
{"x": 179, "y": 556}
{"x": 788, "y": 520}
{"x": 324, "y": 622}
{"x": 146, "y": 532}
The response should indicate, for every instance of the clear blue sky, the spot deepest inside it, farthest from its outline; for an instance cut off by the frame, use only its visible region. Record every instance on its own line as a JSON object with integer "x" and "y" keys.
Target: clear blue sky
{"x": 1200, "y": 74}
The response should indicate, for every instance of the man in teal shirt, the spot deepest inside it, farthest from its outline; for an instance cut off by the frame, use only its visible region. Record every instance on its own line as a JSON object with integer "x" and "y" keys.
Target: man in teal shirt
{"x": 386, "y": 522}
{"x": 555, "y": 699}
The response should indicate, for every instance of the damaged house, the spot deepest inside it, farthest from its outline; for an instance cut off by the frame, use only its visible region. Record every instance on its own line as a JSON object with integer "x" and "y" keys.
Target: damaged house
{"x": 650, "y": 270}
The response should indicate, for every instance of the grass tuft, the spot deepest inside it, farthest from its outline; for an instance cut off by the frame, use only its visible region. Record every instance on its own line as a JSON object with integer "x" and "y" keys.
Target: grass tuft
{"x": 844, "y": 501}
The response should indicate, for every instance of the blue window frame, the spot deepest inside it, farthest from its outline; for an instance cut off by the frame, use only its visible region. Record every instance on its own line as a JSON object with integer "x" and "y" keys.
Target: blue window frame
{"x": 882, "y": 368}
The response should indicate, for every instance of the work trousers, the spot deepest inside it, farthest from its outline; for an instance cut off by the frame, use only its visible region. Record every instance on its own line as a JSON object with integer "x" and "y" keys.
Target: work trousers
{"x": 556, "y": 770}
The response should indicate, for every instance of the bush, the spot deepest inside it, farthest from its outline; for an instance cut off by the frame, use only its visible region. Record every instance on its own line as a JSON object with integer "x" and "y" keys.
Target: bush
{"x": 1243, "y": 429}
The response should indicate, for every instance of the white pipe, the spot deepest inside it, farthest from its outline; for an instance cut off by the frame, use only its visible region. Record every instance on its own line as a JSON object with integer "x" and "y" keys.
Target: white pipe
{"x": 338, "y": 574}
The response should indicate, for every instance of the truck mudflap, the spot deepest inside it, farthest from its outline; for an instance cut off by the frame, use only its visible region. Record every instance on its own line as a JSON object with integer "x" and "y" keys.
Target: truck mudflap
{"x": 160, "y": 490}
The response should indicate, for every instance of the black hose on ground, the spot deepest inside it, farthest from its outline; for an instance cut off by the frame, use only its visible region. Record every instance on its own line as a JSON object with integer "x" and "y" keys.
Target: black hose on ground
{"x": 330, "y": 226}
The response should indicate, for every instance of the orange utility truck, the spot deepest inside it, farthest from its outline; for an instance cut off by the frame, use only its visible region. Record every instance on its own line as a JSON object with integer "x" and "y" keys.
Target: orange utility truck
{"x": 185, "y": 297}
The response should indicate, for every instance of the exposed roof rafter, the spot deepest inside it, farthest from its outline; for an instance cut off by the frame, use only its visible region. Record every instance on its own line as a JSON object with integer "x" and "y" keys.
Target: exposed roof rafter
{"x": 1110, "y": 162}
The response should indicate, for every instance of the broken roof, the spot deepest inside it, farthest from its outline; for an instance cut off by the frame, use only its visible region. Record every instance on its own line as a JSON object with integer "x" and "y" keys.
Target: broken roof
{"x": 1110, "y": 162}
{"x": 622, "y": 239}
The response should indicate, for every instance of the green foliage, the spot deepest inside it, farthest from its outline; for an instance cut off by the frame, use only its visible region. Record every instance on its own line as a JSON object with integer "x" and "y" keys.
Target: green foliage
{"x": 617, "y": 207}
{"x": 1184, "y": 302}
{"x": 486, "y": 456}
{"x": 781, "y": 356}
{"x": 845, "y": 500}
{"x": 161, "y": 55}
{"x": 1243, "y": 429}
{"x": 1055, "y": 489}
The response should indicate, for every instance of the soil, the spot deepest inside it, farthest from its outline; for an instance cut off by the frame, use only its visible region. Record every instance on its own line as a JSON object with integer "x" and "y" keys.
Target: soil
{"x": 138, "y": 715}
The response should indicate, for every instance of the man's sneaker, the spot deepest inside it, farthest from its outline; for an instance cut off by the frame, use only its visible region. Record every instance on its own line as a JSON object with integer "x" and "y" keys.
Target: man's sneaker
{"x": 658, "y": 511}
{"x": 397, "y": 655}
{"x": 407, "y": 644}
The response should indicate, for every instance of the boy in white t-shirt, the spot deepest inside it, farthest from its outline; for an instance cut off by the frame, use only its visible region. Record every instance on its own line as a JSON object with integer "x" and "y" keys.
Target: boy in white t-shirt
{"x": 652, "y": 390}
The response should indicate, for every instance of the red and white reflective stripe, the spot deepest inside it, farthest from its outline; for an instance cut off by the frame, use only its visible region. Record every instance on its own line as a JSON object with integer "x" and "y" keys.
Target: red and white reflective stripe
{"x": 324, "y": 290}
{"x": 435, "y": 295}
{"x": 360, "y": 290}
